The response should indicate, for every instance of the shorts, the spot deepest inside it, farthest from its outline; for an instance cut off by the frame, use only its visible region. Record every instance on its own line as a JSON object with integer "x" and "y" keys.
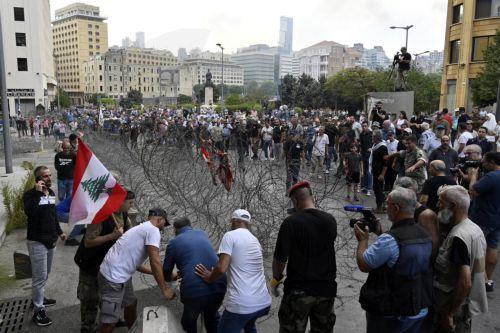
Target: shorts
{"x": 352, "y": 178}
{"x": 492, "y": 235}
{"x": 114, "y": 297}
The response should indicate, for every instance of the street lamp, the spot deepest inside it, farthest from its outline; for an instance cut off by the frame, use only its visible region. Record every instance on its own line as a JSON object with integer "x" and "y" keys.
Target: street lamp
{"x": 419, "y": 54}
{"x": 222, "y": 78}
{"x": 408, "y": 27}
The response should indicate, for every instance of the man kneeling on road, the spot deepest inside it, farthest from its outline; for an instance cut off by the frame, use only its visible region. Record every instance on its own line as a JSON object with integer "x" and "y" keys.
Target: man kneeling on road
{"x": 125, "y": 257}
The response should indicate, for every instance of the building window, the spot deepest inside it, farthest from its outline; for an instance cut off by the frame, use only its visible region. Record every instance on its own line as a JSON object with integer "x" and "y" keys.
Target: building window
{"x": 90, "y": 26}
{"x": 454, "y": 51}
{"x": 22, "y": 64}
{"x": 20, "y": 39}
{"x": 451, "y": 92}
{"x": 18, "y": 14}
{"x": 458, "y": 12}
{"x": 487, "y": 8}
{"x": 479, "y": 45}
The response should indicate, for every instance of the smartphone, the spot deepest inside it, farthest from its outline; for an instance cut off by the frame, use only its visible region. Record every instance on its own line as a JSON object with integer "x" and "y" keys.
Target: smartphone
{"x": 39, "y": 178}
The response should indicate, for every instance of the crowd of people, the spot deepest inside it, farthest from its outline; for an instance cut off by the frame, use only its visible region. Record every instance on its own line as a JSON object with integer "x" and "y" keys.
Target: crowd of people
{"x": 437, "y": 177}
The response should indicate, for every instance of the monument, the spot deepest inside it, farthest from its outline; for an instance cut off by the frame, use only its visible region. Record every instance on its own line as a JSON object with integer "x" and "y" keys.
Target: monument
{"x": 209, "y": 90}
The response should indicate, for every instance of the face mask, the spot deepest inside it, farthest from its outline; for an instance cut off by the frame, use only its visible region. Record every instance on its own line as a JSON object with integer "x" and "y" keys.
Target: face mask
{"x": 445, "y": 215}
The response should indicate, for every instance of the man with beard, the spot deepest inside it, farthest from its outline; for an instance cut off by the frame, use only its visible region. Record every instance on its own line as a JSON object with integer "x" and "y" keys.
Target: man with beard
{"x": 486, "y": 208}
{"x": 459, "y": 277}
{"x": 43, "y": 230}
{"x": 378, "y": 114}
{"x": 446, "y": 154}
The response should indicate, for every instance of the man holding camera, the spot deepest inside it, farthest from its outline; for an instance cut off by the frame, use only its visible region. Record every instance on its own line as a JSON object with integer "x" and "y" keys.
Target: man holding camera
{"x": 486, "y": 208}
{"x": 306, "y": 245}
{"x": 398, "y": 291}
{"x": 43, "y": 230}
{"x": 403, "y": 61}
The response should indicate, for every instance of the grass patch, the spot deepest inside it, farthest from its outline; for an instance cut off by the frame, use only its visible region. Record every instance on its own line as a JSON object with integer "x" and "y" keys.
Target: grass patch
{"x": 13, "y": 200}
{"x": 5, "y": 280}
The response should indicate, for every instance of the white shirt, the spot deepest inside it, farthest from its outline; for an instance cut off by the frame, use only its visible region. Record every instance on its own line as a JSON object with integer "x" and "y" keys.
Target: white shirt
{"x": 246, "y": 290}
{"x": 462, "y": 139}
{"x": 320, "y": 144}
{"x": 267, "y": 133}
{"x": 129, "y": 252}
{"x": 392, "y": 147}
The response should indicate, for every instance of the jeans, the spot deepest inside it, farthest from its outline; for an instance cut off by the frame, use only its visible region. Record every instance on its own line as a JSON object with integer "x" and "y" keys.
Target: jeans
{"x": 41, "y": 262}
{"x": 78, "y": 229}
{"x": 208, "y": 305}
{"x": 277, "y": 150}
{"x": 64, "y": 188}
{"x": 265, "y": 147}
{"x": 234, "y": 322}
{"x": 381, "y": 324}
{"x": 292, "y": 172}
{"x": 332, "y": 154}
{"x": 309, "y": 150}
{"x": 367, "y": 181}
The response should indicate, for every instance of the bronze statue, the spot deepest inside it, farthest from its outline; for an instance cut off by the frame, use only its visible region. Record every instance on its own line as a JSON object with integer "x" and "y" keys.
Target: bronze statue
{"x": 208, "y": 78}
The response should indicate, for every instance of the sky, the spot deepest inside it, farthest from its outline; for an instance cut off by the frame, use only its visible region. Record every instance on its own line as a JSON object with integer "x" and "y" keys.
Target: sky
{"x": 236, "y": 23}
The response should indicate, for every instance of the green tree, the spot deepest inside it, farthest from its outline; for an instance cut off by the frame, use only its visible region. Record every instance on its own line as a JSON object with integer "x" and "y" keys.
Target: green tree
{"x": 96, "y": 98}
{"x": 267, "y": 89}
{"x": 484, "y": 86}
{"x": 427, "y": 88}
{"x": 288, "y": 89}
{"x": 183, "y": 99}
{"x": 134, "y": 97}
{"x": 233, "y": 99}
{"x": 235, "y": 90}
{"x": 64, "y": 100}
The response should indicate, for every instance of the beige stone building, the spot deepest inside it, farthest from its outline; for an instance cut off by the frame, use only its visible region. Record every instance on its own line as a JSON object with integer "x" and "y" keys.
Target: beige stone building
{"x": 79, "y": 33}
{"x": 121, "y": 70}
{"x": 470, "y": 27}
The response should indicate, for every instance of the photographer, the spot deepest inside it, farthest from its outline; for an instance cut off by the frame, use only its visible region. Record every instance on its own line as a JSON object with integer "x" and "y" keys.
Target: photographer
{"x": 378, "y": 113}
{"x": 486, "y": 207}
{"x": 306, "y": 245}
{"x": 398, "y": 291}
{"x": 403, "y": 61}
{"x": 472, "y": 159}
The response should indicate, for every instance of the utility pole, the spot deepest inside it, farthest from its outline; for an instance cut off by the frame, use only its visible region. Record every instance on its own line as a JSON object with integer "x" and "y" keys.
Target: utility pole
{"x": 222, "y": 77}
{"x": 7, "y": 147}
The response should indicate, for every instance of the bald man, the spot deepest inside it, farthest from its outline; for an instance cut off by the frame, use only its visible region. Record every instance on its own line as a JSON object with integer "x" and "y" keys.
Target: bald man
{"x": 437, "y": 170}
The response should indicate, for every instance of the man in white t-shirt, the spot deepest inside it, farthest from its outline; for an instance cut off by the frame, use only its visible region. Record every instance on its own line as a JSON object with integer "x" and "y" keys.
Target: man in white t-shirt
{"x": 462, "y": 139}
{"x": 319, "y": 152}
{"x": 240, "y": 254}
{"x": 267, "y": 135}
{"x": 125, "y": 257}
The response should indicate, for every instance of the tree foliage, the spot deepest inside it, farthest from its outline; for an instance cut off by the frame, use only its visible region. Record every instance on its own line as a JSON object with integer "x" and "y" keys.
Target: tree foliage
{"x": 183, "y": 99}
{"x": 134, "y": 97}
{"x": 484, "y": 86}
{"x": 64, "y": 100}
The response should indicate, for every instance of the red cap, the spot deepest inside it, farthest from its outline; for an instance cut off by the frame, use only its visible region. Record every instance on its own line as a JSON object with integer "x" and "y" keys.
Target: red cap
{"x": 298, "y": 185}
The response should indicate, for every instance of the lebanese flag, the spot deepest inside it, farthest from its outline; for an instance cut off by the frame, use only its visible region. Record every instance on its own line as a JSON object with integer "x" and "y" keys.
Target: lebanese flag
{"x": 96, "y": 193}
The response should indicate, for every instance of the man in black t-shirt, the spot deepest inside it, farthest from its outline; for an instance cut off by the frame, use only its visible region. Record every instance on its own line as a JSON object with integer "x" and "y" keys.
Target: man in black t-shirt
{"x": 437, "y": 169}
{"x": 277, "y": 139}
{"x": 403, "y": 61}
{"x": 378, "y": 114}
{"x": 378, "y": 164}
{"x": 306, "y": 246}
{"x": 294, "y": 153}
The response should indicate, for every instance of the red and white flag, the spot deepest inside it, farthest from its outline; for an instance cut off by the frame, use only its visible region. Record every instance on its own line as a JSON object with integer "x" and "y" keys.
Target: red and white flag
{"x": 96, "y": 193}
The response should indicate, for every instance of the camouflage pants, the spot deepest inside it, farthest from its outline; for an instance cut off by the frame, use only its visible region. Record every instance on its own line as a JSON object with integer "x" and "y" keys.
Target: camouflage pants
{"x": 297, "y": 308}
{"x": 88, "y": 294}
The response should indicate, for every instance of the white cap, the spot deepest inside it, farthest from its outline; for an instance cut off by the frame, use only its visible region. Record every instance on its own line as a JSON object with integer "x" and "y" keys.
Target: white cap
{"x": 241, "y": 214}
{"x": 408, "y": 130}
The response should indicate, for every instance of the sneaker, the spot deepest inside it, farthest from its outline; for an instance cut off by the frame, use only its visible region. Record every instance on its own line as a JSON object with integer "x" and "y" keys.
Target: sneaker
{"x": 40, "y": 318}
{"x": 368, "y": 193}
{"x": 327, "y": 171}
{"x": 47, "y": 302}
{"x": 71, "y": 242}
{"x": 319, "y": 177}
{"x": 489, "y": 286}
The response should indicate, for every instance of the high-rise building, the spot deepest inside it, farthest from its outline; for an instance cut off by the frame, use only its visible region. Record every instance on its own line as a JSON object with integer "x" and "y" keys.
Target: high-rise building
{"x": 182, "y": 54}
{"x": 258, "y": 62}
{"x": 326, "y": 58}
{"x": 79, "y": 32}
{"x": 140, "y": 39}
{"x": 373, "y": 59}
{"x": 285, "y": 43}
{"x": 126, "y": 42}
{"x": 430, "y": 63}
{"x": 470, "y": 27}
{"x": 29, "y": 66}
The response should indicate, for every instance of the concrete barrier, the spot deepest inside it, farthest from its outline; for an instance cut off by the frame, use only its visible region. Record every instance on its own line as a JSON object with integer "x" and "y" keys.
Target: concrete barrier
{"x": 160, "y": 319}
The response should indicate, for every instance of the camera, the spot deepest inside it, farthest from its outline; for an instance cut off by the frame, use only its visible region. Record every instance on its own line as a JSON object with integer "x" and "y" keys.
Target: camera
{"x": 368, "y": 220}
{"x": 464, "y": 166}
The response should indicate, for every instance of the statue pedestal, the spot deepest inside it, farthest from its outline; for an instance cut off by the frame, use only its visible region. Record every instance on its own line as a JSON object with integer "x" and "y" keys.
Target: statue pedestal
{"x": 209, "y": 96}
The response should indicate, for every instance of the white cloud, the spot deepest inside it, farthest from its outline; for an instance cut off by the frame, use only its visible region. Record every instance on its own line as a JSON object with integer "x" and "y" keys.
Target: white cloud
{"x": 236, "y": 23}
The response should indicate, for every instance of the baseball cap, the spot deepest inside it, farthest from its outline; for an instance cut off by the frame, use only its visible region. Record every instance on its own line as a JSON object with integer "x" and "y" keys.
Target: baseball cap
{"x": 298, "y": 185}
{"x": 390, "y": 133}
{"x": 408, "y": 130}
{"x": 440, "y": 126}
{"x": 242, "y": 214}
{"x": 159, "y": 212}
{"x": 469, "y": 121}
{"x": 376, "y": 124}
